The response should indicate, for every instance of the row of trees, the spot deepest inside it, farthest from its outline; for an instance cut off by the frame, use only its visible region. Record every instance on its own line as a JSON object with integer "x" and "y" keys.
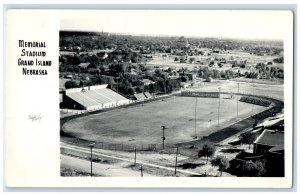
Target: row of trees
{"x": 205, "y": 72}
{"x": 269, "y": 71}
{"x": 88, "y": 41}
{"x": 121, "y": 55}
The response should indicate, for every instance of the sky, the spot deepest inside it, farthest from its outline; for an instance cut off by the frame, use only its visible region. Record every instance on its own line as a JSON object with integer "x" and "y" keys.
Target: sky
{"x": 190, "y": 23}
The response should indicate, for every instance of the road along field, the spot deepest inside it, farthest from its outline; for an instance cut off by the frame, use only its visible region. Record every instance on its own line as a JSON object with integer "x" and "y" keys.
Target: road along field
{"x": 141, "y": 124}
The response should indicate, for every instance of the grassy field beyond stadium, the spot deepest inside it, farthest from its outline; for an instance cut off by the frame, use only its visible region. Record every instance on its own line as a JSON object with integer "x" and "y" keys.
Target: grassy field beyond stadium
{"x": 141, "y": 124}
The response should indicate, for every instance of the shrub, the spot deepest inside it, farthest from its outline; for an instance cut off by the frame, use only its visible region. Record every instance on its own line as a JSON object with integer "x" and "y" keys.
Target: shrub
{"x": 254, "y": 169}
{"x": 206, "y": 151}
{"x": 221, "y": 162}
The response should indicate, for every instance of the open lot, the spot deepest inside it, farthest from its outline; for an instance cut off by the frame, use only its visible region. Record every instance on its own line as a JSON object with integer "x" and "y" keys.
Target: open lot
{"x": 163, "y": 62}
{"x": 269, "y": 90}
{"x": 141, "y": 124}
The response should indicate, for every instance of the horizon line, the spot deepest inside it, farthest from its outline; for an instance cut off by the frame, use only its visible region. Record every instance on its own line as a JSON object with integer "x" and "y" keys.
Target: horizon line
{"x": 164, "y": 35}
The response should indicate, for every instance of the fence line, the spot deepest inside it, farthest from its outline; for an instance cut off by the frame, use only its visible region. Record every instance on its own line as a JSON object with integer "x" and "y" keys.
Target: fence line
{"x": 170, "y": 149}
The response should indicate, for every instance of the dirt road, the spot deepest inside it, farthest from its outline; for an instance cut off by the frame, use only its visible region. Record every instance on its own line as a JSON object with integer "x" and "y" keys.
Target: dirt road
{"x": 121, "y": 168}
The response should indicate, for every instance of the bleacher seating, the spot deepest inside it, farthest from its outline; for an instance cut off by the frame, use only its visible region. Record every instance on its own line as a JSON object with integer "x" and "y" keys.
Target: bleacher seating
{"x": 97, "y": 98}
{"x": 140, "y": 96}
{"x": 200, "y": 94}
{"x": 256, "y": 101}
{"x": 148, "y": 95}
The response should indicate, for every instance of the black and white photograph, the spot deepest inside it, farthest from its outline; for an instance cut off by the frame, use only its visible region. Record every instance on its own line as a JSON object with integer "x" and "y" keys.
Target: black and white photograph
{"x": 118, "y": 97}
{"x": 173, "y": 93}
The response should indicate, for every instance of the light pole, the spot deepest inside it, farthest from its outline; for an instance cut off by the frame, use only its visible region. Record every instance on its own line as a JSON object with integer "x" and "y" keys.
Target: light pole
{"x": 165, "y": 89}
{"x": 91, "y": 146}
{"x": 219, "y": 106}
{"x": 163, "y": 137}
{"x": 83, "y": 90}
{"x": 117, "y": 78}
{"x": 237, "y": 101}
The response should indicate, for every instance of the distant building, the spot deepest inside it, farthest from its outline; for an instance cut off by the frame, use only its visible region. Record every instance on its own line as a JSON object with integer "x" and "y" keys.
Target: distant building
{"x": 268, "y": 148}
{"x": 84, "y": 65}
{"x": 184, "y": 85}
{"x": 147, "y": 82}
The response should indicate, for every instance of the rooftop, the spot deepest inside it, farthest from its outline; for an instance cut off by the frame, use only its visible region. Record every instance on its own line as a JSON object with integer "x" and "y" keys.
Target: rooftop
{"x": 271, "y": 138}
{"x": 147, "y": 81}
{"x": 84, "y": 65}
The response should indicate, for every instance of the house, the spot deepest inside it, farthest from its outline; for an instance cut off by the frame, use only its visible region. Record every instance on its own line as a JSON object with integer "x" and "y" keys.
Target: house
{"x": 84, "y": 65}
{"x": 146, "y": 82}
{"x": 269, "y": 149}
{"x": 184, "y": 85}
{"x": 268, "y": 141}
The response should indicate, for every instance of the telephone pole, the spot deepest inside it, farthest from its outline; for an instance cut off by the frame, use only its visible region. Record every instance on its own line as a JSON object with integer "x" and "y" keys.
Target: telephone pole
{"x": 134, "y": 155}
{"x": 176, "y": 161}
{"x": 91, "y": 146}
{"x": 141, "y": 170}
{"x": 163, "y": 137}
{"x": 117, "y": 78}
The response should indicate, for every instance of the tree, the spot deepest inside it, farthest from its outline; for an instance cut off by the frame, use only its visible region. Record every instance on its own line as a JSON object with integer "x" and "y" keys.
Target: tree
{"x": 221, "y": 162}
{"x": 152, "y": 88}
{"x": 71, "y": 84}
{"x": 207, "y": 151}
{"x": 247, "y": 138}
{"x": 191, "y": 60}
{"x": 256, "y": 168}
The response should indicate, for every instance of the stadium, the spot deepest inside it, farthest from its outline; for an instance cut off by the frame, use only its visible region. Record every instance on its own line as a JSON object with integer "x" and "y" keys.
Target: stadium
{"x": 116, "y": 122}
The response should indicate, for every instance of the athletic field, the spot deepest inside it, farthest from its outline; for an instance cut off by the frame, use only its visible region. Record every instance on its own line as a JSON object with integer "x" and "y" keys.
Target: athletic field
{"x": 141, "y": 124}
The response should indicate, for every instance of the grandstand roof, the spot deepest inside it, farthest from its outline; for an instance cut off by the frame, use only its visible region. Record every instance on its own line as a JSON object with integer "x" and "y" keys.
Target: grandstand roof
{"x": 147, "y": 94}
{"x": 140, "y": 96}
{"x": 95, "y": 96}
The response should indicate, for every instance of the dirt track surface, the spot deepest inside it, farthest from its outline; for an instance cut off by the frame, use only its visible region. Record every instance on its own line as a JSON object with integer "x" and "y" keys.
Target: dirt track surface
{"x": 141, "y": 124}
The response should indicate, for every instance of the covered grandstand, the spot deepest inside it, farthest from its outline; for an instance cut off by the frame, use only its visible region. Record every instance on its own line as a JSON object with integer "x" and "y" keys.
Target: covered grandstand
{"x": 142, "y": 96}
{"x": 93, "y": 98}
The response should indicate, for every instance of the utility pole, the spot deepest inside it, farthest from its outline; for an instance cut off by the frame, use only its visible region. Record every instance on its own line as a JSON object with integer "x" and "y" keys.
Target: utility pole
{"x": 117, "y": 84}
{"x": 163, "y": 137}
{"x": 91, "y": 146}
{"x": 176, "y": 161}
{"x": 219, "y": 106}
{"x": 237, "y": 101}
{"x": 141, "y": 170}
{"x": 83, "y": 90}
{"x": 165, "y": 86}
{"x": 134, "y": 155}
{"x": 196, "y": 118}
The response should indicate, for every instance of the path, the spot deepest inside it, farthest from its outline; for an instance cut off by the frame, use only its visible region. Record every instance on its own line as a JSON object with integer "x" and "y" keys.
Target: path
{"x": 99, "y": 153}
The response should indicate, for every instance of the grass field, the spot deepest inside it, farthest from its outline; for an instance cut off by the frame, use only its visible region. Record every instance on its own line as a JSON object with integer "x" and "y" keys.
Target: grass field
{"x": 163, "y": 62}
{"x": 141, "y": 124}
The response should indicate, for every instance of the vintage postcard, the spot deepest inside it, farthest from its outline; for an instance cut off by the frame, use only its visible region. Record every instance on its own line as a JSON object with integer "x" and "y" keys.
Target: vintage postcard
{"x": 149, "y": 98}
